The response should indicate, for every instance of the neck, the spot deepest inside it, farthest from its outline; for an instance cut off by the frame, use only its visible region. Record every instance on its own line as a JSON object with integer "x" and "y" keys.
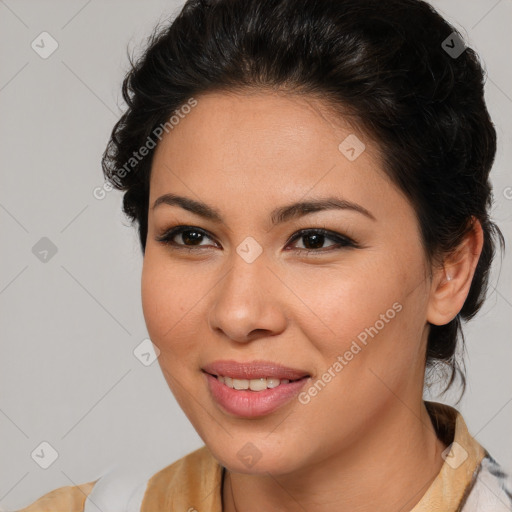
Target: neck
{"x": 388, "y": 468}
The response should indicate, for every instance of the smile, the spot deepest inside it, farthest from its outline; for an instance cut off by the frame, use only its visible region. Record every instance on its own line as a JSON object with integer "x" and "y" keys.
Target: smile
{"x": 252, "y": 384}
{"x": 252, "y": 398}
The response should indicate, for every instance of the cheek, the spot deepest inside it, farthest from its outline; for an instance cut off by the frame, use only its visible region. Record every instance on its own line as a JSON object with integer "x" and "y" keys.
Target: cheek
{"x": 163, "y": 297}
{"x": 154, "y": 296}
{"x": 171, "y": 308}
{"x": 371, "y": 351}
{"x": 372, "y": 315}
{"x": 340, "y": 303}
{"x": 169, "y": 300}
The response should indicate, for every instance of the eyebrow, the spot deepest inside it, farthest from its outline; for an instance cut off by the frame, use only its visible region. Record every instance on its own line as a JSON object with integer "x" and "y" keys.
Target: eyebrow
{"x": 278, "y": 215}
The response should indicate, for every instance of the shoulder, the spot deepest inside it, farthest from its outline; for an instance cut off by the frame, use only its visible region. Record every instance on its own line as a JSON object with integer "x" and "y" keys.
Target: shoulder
{"x": 128, "y": 488}
{"x": 63, "y": 499}
{"x": 194, "y": 481}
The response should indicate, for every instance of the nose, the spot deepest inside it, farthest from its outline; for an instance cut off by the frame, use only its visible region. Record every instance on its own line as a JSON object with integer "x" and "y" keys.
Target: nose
{"x": 247, "y": 302}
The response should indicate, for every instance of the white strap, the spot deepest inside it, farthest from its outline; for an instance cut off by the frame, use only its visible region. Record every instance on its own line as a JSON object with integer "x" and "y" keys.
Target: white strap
{"x": 492, "y": 491}
{"x": 120, "y": 489}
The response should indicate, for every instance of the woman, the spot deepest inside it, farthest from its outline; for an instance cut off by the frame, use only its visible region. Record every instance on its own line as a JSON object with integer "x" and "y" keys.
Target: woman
{"x": 310, "y": 181}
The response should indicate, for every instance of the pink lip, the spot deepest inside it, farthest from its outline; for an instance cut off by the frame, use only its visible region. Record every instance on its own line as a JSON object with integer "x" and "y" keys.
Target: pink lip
{"x": 251, "y": 404}
{"x": 247, "y": 403}
{"x": 253, "y": 370}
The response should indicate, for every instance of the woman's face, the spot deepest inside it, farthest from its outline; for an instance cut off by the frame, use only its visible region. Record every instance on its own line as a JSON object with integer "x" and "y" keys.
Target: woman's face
{"x": 242, "y": 297}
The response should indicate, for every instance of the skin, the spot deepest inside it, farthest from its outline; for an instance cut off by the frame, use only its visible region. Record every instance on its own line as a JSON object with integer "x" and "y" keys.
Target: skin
{"x": 245, "y": 155}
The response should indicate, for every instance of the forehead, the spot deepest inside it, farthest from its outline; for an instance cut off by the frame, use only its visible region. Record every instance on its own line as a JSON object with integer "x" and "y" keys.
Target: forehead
{"x": 265, "y": 146}
{"x": 275, "y": 124}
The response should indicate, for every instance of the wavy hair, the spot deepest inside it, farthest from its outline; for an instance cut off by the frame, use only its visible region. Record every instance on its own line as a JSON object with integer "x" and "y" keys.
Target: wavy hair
{"x": 381, "y": 62}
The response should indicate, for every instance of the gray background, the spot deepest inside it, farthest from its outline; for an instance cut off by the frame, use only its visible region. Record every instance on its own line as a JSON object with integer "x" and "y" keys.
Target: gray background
{"x": 69, "y": 325}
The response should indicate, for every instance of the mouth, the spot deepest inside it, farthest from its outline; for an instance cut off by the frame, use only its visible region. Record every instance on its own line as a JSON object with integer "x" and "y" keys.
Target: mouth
{"x": 254, "y": 370}
{"x": 254, "y": 389}
{"x": 256, "y": 385}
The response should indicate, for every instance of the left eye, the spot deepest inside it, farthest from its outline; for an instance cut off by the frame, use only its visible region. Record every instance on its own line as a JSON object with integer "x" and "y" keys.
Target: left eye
{"x": 313, "y": 239}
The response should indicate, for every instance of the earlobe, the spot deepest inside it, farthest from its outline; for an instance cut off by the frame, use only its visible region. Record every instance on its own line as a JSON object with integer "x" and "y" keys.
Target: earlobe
{"x": 451, "y": 282}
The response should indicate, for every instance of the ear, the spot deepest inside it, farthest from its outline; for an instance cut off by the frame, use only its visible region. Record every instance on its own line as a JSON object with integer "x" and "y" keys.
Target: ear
{"x": 451, "y": 282}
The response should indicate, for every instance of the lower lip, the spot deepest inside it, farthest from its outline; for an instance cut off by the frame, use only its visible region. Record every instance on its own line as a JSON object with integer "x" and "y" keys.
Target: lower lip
{"x": 251, "y": 404}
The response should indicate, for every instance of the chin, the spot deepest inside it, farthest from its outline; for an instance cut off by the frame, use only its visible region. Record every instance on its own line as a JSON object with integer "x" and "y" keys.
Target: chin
{"x": 257, "y": 456}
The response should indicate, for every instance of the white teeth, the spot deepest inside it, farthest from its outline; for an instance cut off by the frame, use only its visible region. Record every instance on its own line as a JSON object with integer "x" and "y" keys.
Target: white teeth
{"x": 240, "y": 384}
{"x": 273, "y": 383}
{"x": 252, "y": 384}
{"x": 258, "y": 384}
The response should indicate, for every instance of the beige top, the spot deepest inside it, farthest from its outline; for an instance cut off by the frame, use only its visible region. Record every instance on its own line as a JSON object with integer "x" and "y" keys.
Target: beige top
{"x": 195, "y": 481}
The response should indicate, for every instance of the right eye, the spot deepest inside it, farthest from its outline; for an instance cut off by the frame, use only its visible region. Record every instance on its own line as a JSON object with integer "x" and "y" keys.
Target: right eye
{"x": 191, "y": 237}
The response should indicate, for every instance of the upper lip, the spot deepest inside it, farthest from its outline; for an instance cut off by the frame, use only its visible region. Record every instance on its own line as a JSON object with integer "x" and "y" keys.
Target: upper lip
{"x": 253, "y": 370}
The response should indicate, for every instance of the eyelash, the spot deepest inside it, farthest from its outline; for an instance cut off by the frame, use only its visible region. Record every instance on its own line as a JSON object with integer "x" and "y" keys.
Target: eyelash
{"x": 341, "y": 241}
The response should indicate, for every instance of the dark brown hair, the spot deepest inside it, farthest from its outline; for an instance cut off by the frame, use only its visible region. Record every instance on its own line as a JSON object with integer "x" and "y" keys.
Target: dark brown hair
{"x": 391, "y": 63}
